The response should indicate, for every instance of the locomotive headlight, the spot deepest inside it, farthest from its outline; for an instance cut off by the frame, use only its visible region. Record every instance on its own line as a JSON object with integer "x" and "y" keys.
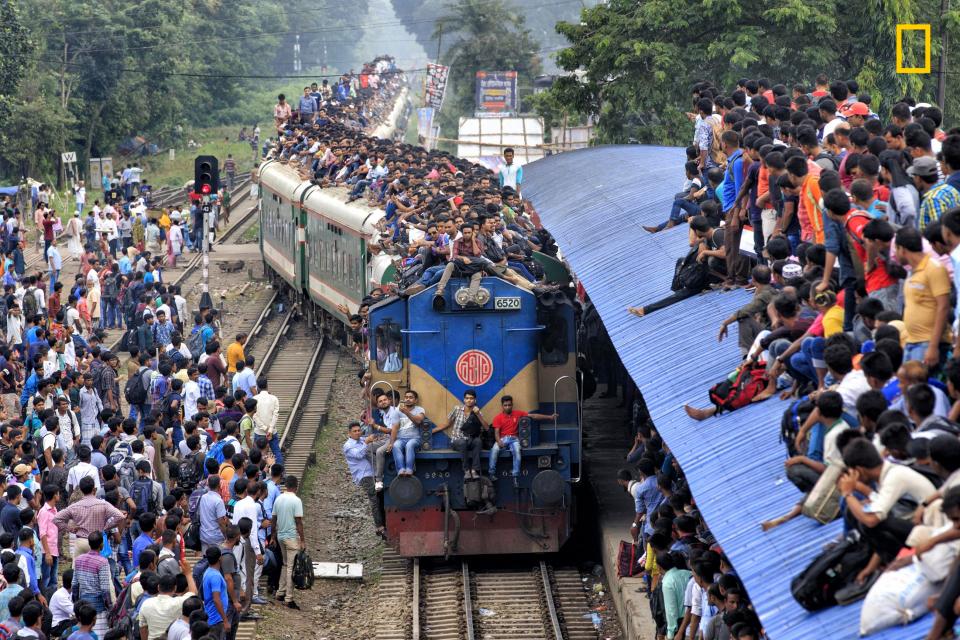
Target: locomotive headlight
{"x": 543, "y": 462}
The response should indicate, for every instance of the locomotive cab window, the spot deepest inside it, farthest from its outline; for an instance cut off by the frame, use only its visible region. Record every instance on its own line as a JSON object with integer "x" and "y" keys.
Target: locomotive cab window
{"x": 388, "y": 341}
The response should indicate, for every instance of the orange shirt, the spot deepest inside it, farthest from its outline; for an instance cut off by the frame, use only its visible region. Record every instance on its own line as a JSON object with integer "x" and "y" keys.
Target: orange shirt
{"x": 763, "y": 185}
{"x": 809, "y": 212}
{"x": 234, "y": 355}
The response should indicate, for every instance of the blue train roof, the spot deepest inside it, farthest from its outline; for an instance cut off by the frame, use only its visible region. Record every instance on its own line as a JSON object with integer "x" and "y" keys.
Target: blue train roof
{"x": 593, "y": 201}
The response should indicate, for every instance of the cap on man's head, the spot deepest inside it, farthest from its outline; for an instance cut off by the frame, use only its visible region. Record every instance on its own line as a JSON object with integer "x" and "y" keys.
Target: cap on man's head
{"x": 924, "y": 167}
{"x": 858, "y": 109}
{"x": 792, "y": 270}
{"x": 21, "y": 470}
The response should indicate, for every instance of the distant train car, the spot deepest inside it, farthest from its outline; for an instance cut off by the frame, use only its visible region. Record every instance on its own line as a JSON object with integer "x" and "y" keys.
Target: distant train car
{"x": 318, "y": 247}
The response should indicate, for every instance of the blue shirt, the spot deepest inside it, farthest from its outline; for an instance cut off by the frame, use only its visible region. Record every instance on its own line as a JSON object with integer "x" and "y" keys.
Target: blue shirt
{"x": 732, "y": 181}
{"x": 6, "y": 596}
{"x": 31, "y": 570}
{"x": 355, "y": 451}
{"x": 210, "y": 509}
{"x": 214, "y": 582}
{"x": 273, "y": 492}
{"x": 647, "y": 498}
{"x": 815, "y": 446}
{"x": 142, "y": 542}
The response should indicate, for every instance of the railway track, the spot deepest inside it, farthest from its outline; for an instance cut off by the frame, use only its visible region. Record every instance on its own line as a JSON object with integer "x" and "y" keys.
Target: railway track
{"x": 457, "y": 601}
{"x": 301, "y": 372}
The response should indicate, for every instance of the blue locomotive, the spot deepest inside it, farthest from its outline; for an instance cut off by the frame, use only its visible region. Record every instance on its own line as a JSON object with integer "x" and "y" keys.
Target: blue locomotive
{"x": 317, "y": 245}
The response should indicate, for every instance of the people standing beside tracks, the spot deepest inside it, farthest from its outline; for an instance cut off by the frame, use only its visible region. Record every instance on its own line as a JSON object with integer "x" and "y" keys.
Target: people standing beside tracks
{"x": 361, "y": 471}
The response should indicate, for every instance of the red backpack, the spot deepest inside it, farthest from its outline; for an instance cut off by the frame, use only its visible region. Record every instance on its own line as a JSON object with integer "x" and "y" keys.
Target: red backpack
{"x": 741, "y": 390}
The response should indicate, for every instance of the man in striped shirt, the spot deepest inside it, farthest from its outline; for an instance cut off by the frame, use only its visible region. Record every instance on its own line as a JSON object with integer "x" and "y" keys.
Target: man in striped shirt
{"x": 92, "y": 581}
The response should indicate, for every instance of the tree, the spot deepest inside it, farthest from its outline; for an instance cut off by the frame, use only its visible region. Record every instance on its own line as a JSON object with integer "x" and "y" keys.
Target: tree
{"x": 15, "y": 48}
{"x": 485, "y": 35}
{"x": 638, "y": 60}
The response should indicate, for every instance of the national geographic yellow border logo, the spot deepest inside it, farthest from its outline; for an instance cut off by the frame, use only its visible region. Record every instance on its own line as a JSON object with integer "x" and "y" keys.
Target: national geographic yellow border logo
{"x": 925, "y": 29}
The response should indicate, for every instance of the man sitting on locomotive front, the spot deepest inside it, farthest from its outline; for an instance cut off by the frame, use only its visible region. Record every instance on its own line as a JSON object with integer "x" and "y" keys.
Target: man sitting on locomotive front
{"x": 466, "y": 423}
{"x": 505, "y": 430}
{"x": 405, "y": 435}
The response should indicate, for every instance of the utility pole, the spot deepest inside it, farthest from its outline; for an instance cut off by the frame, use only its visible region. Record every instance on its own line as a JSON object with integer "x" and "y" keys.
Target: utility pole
{"x": 942, "y": 73}
{"x": 440, "y": 38}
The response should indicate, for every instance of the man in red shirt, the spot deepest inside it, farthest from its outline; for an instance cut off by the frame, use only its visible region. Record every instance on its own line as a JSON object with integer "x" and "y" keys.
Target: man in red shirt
{"x": 505, "y": 427}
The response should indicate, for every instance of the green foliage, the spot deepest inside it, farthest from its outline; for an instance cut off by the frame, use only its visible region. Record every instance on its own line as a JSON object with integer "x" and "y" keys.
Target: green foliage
{"x": 15, "y": 46}
{"x": 638, "y": 60}
{"x": 104, "y": 71}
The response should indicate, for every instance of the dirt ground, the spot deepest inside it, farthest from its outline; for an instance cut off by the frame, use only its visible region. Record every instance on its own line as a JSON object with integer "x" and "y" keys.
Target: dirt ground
{"x": 339, "y": 528}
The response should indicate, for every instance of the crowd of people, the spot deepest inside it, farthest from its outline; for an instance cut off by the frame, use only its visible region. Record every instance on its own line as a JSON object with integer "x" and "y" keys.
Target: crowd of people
{"x": 854, "y": 273}
{"x": 144, "y": 488}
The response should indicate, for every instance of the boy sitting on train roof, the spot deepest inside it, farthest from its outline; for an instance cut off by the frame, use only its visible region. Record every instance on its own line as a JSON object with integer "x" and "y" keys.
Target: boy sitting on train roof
{"x": 506, "y": 435}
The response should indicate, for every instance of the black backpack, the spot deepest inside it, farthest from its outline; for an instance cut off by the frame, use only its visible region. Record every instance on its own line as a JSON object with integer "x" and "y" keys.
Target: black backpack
{"x": 816, "y": 587}
{"x": 188, "y": 473}
{"x": 134, "y": 391}
{"x": 302, "y": 571}
{"x": 689, "y": 273}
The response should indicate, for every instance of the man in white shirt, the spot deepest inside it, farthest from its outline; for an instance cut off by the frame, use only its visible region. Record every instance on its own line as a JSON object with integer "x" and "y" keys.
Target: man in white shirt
{"x": 880, "y": 529}
{"x": 247, "y": 507}
{"x": 265, "y": 420}
{"x": 510, "y": 174}
{"x": 82, "y": 469}
{"x": 191, "y": 393}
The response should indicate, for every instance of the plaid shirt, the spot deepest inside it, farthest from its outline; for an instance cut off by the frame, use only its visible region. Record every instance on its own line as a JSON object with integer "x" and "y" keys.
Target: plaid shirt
{"x": 457, "y": 417}
{"x": 89, "y": 514}
{"x": 206, "y": 388}
{"x": 937, "y": 201}
{"x": 92, "y": 580}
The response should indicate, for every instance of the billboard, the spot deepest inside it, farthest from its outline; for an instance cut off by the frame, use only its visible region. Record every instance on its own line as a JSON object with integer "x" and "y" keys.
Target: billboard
{"x": 496, "y": 93}
{"x": 436, "y": 85}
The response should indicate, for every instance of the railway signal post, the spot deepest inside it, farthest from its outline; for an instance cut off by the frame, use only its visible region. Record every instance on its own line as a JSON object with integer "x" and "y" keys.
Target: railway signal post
{"x": 206, "y": 185}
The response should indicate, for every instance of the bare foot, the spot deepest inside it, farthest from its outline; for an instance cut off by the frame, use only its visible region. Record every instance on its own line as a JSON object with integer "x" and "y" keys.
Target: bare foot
{"x": 786, "y": 395}
{"x": 698, "y": 414}
{"x": 767, "y": 392}
{"x": 650, "y": 229}
{"x": 637, "y": 311}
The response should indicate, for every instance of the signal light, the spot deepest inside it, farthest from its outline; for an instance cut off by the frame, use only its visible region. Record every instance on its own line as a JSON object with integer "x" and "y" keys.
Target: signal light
{"x": 206, "y": 175}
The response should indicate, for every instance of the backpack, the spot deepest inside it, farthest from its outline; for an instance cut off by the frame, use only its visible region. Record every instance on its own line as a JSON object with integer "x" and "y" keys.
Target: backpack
{"x": 216, "y": 451}
{"x": 689, "y": 273}
{"x": 167, "y": 412}
{"x": 816, "y": 587}
{"x": 302, "y": 571}
{"x": 739, "y": 390}
{"x": 128, "y": 339}
{"x": 191, "y": 537}
{"x": 122, "y": 616}
{"x": 627, "y": 560}
{"x": 193, "y": 501}
{"x": 29, "y": 303}
{"x": 198, "y": 569}
{"x": 195, "y": 343}
{"x": 122, "y": 460}
{"x": 6, "y": 631}
{"x": 859, "y": 267}
{"x": 829, "y": 156}
{"x": 188, "y": 474}
{"x": 134, "y": 391}
{"x": 793, "y": 418}
{"x": 97, "y": 373}
{"x": 142, "y": 493}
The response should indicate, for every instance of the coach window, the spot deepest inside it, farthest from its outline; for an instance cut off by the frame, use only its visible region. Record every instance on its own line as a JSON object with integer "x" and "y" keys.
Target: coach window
{"x": 389, "y": 345}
